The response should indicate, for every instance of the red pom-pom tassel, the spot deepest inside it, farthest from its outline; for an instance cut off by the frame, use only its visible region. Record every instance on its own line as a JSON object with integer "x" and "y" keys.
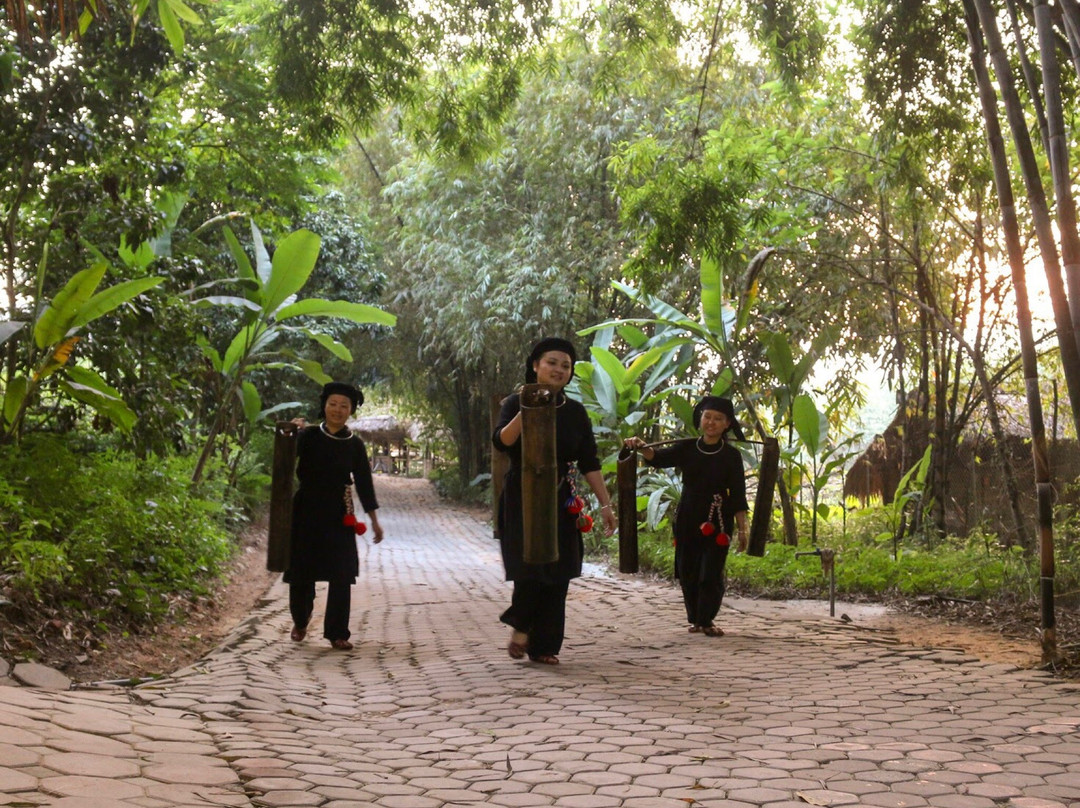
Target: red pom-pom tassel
{"x": 707, "y": 528}
{"x": 723, "y": 539}
{"x": 360, "y": 528}
{"x": 349, "y": 519}
{"x": 575, "y": 505}
{"x": 584, "y": 523}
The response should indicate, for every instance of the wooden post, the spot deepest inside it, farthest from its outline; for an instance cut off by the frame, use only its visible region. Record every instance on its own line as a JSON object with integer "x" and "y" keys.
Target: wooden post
{"x": 279, "y": 538}
{"x": 768, "y": 472}
{"x": 626, "y": 484}
{"x": 539, "y": 474}
{"x": 500, "y": 464}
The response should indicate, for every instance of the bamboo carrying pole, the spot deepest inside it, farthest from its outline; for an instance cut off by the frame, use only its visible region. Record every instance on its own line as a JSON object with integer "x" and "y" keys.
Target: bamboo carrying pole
{"x": 768, "y": 472}
{"x": 279, "y": 538}
{"x": 626, "y": 483}
{"x": 539, "y": 474}
{"x": 500, "y": 463}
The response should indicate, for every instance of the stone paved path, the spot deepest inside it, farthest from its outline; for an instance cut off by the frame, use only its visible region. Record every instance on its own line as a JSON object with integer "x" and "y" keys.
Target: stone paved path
{"x": 428, "y": 710}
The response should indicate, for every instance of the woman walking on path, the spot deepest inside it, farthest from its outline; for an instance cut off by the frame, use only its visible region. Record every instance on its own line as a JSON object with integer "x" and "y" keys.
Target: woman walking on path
{"x": 537, "y": 612}
{"x": 330, "y": 460}
{"x": 713, "y": 501}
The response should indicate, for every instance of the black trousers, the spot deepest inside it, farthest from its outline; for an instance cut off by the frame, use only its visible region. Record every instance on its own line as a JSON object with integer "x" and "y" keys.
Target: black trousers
{"x": 538, "y": 608}
{"x": 338, "y": 605}
{"x": 701, "y": 576}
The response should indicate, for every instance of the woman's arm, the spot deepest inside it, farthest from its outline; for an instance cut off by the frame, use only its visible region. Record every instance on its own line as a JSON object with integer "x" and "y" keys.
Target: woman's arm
{"x": 510, "y": 433}
{"x": 744, "y": 536}
{"x": 595, "y": 479}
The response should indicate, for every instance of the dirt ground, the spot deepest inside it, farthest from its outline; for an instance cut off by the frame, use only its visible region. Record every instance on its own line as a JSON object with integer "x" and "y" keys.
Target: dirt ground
{"x": 87, "y": 656}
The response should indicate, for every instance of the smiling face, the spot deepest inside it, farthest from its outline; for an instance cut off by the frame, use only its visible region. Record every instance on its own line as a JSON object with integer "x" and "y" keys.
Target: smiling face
{"x": 337, "y": 410}
{"x": 553, "y": 367}
{"x": 713, "y": 425}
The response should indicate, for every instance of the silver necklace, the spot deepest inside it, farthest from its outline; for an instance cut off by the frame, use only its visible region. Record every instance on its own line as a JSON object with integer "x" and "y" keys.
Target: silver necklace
{"x": 718, "y": 448}
{"x": 328, "y": 434}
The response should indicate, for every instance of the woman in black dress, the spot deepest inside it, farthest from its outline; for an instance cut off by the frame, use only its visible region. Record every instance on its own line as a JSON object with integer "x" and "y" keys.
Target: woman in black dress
{"x": 713, "y": 501}
{"x": 330, "y": 460}
{"x": 537, "y": 612}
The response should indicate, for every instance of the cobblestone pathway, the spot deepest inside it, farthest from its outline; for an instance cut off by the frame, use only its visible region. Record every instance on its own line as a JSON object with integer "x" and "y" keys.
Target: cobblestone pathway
{"x": 429, "y": 711}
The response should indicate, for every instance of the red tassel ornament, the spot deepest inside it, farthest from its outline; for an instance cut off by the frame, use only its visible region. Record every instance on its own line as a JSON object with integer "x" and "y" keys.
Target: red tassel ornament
{"x": 349, "y": 520}
{"x": 707, "y": 528}
{"x": 723, "y": 540}
{"x": 575, "y": 505}
{"x": 360, "y": 528}
{"x": 584, "y": 523}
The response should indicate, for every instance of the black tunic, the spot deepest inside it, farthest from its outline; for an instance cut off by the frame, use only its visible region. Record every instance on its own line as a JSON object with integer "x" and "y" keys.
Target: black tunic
{"x": 704, "y": 473}
{"x": 323, "y": 546}
{"x": 574, "y": 443}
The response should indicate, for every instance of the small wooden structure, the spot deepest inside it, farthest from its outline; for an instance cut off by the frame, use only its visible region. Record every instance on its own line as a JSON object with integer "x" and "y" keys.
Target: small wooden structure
{"x": 539, "y": 474}
{"x": 279, "y": 539}
{"x": 388, "y": 440}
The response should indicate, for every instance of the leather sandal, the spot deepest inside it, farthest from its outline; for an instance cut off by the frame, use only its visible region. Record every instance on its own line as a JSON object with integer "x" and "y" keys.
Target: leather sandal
{"x": 298, "y": 633}
{"x": 546, "y": 659}
{"x": 712, "y": 631}
{"x": 341, "y": 645}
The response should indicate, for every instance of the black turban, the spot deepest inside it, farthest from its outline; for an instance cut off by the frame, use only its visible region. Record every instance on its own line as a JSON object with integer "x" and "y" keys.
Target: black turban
{"x": 723, "y": 405}
{"x": 541, "y": 348}
{"x": 340, "y": 389}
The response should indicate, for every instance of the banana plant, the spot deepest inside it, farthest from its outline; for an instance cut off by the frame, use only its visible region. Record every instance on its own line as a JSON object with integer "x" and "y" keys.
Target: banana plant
{"x": 818, "y": 458}
{"x": 55, "y": 334}
{"x": 266, "y": 306}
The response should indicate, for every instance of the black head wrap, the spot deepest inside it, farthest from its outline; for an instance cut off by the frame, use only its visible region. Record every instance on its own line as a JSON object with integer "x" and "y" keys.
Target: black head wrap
{"x": 723, "y": 405}
{"x": 541, "y": 348}
{"x": 340, "y": 389}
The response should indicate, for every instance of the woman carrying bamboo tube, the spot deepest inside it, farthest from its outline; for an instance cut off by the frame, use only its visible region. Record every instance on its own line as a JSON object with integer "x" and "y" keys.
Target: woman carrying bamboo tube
{"x": 713, "y": 502}
{"x": 537, "y": 612}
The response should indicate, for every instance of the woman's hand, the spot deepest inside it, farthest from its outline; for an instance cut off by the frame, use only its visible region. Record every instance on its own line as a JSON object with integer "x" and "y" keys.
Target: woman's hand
{"x": 636, "y": 444}
{"x": 300, "y": 422}
{"x": 376, "y": 528}
{"x": 607, "y": 514}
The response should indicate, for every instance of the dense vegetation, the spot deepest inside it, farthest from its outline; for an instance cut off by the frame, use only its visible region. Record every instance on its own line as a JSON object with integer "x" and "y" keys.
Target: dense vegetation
{"x": 208, "y": 211}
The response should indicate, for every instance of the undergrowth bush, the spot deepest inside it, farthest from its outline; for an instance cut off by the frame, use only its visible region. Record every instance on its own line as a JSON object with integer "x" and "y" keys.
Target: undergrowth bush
{"x": 975, "y": 568}
{"x": 107, "y": 532}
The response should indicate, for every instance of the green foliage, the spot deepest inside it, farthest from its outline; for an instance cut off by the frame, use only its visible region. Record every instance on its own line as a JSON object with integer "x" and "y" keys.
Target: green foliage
{"x": 972, "y": 568}
{"x": 120, "y": 535}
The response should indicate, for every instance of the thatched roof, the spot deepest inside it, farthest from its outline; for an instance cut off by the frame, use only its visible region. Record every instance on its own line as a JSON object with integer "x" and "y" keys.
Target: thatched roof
{"x": 383, "y": 429}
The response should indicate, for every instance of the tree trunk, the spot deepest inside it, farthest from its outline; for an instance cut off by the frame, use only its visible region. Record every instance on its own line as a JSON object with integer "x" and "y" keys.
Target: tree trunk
{"x": 1029, "y": 358}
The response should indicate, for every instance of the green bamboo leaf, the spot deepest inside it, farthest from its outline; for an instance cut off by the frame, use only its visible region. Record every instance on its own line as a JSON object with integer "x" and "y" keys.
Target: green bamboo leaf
{"x": 111, "y": 298}
{"x": 174, "y": 32}
{"x": 54, "y": 323}
{"x": 294, "y": 260}
{"x": 354, "y": 312}
{"x": 184, "y": 12}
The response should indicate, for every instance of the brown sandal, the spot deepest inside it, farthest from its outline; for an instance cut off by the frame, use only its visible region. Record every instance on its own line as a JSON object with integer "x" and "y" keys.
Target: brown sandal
{"x": 546, "y": 659}
{"x": 298, "y": 633}
{"x": 712, "y": 631}
{"x": 694, "y": 629}
{"x": 341, "y": 645}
